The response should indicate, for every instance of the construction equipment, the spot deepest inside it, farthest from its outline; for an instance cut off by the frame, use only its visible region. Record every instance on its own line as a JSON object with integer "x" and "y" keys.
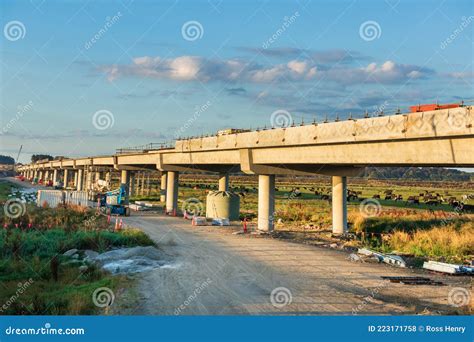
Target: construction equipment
{"x": 115, "y": 201}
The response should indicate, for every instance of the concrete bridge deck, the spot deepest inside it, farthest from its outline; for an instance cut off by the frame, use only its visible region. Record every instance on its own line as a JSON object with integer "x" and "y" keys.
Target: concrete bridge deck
{"x": 339, "y": 149}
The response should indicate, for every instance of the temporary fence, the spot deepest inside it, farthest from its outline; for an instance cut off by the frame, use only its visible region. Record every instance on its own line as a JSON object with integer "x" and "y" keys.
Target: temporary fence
{"x": 53, "y": 198}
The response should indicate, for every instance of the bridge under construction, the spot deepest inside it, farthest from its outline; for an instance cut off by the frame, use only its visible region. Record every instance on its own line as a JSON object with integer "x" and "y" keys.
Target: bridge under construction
{"x": 341, "y": 149}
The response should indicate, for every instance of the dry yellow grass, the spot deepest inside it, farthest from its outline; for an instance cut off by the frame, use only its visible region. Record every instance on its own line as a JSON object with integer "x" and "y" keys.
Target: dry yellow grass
{"x": 449, "y": 242}
{"x": 435, "y": 235}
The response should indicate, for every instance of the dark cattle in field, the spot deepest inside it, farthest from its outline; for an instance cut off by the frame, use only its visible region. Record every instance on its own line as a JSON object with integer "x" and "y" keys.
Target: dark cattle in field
{"x": 376, "y": 196}
{"x": 467, "y": 207}
{"x": 413, "y": 200}
{"x": 352, "y": 195}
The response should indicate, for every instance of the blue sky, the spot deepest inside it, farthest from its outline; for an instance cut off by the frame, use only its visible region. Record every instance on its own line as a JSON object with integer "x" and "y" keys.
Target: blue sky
{"x": 150, "y": 80}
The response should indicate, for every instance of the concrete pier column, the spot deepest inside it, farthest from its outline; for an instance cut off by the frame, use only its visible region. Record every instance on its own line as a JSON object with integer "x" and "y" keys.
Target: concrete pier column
{"x": 223, "y": 182}
{"x": 97, "y": 177}
{"x": 132, "y": 183}
{"x": 142, "y": 184}
{"x": 35, "y": 175}
{"x": 55, "y": 177}
{"x": 266, "y": 202}
{"x": 66, "y": 178}
{"x": 339, "y": 205}
{"x": 40, "y": 175}
{"x": 163, "y": 187}
{"x": 172, "y": 192}
{"x": 108, "y": 179}
{"x": 46, "y": 176}
{"x": 89, "y": 180}
{"x": 80, "y": 180}
{"x": 125, "y": 181}
{"x": 148, "y": 184}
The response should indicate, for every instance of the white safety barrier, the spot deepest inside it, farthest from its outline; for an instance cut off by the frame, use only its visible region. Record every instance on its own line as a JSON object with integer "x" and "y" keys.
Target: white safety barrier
{"x": 77, "y": 198}
{"x": 53, "y": 198}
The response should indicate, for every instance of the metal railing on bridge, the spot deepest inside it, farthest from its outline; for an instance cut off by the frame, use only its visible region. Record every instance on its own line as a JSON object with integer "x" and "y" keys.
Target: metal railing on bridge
{"x": 146, "y": 148}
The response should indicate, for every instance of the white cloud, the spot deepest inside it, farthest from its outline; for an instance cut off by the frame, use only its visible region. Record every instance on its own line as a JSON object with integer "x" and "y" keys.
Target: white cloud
{"x": 189, "y": 68}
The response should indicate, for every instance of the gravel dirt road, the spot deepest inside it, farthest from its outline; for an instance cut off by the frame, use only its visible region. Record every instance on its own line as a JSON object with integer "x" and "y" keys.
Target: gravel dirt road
{"x": 213, "y": 272}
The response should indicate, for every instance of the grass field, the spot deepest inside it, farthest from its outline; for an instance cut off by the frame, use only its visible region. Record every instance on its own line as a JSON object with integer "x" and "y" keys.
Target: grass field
{"x": 35, "y": 277}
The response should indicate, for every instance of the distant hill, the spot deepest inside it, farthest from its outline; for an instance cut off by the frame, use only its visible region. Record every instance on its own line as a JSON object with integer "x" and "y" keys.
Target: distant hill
{"x": 6, "y": 160}
{"x": 418, "y": 173}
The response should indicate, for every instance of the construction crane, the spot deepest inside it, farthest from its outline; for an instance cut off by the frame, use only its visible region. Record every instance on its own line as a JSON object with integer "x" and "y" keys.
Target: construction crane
{"x": 18, "y": 156}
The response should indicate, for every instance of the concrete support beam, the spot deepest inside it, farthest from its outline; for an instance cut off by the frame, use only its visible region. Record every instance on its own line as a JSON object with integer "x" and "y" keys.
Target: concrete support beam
{"x": 266, "y": 202}
{"x": 125, "y": 181}
{"x": 55, "y": 177}
{"x": 66, "y": 178}
{"x": 223, "y": 182}
{"x": 97, "y": 177}
{"x": 132, "y": 184}
{"x": 163, "y": 187}
{"x": 339, "y": 205}
{"x": 89, "y": 180}
{"x": 172, "y": 192}
{"x": 80, "y": 180}
{"x": 108, "y": 179}
{"x": 148, "y": 184}
{"x": 142, "y": 184}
